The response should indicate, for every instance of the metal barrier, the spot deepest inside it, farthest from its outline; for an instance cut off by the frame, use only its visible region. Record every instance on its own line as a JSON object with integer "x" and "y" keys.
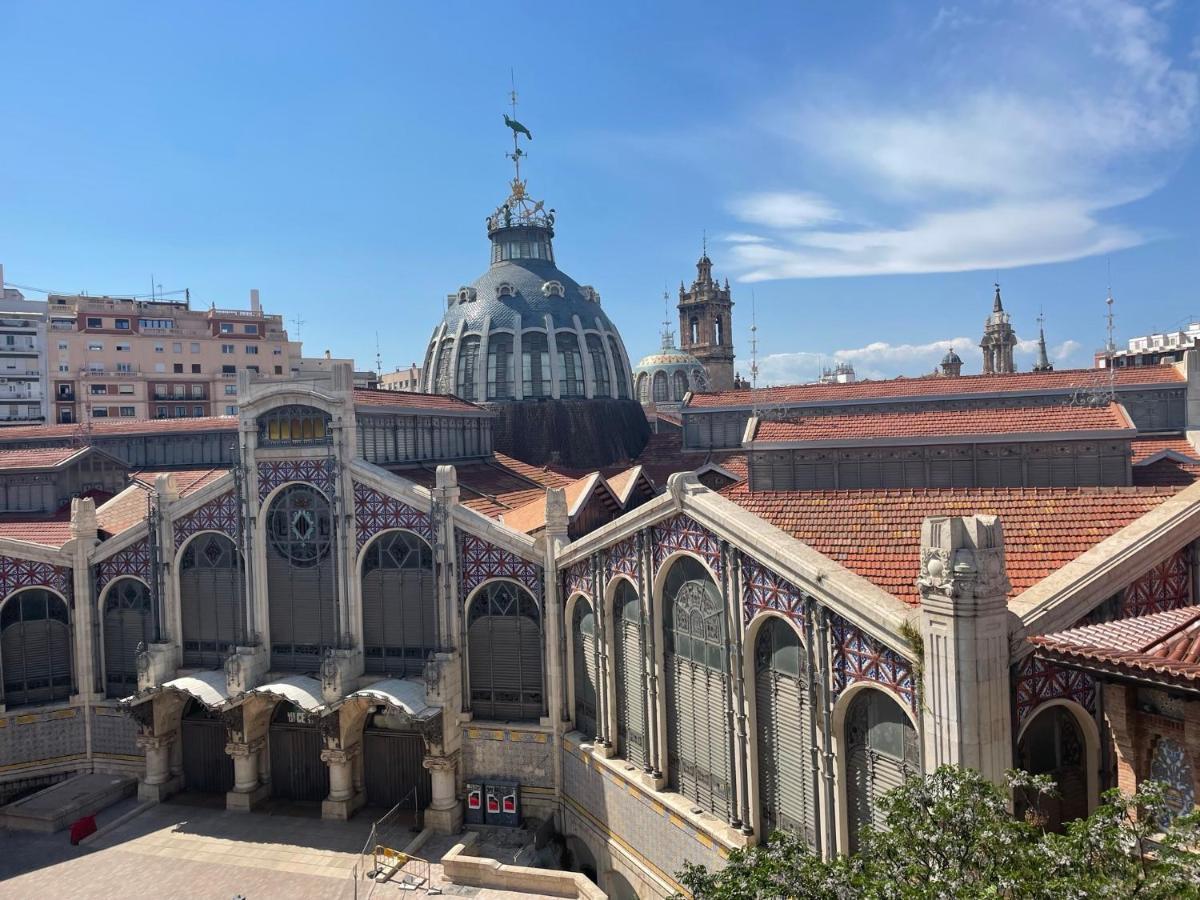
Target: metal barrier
{"x": 383, "y": 850}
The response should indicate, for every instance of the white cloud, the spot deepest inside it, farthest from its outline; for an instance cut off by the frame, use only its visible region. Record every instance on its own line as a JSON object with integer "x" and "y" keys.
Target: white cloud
{"x": 994, "y": 174}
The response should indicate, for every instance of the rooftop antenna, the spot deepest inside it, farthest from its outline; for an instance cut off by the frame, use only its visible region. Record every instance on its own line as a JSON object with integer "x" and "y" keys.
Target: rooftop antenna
{"x": 297, "y": 321}
{"x": 753, "y": 351}
{"x": 378, "y": 356}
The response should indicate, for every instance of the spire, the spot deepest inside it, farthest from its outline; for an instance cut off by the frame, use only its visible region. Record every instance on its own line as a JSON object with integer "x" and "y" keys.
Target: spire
{"x": 1043, "y": 363}
{"x": 997, "y": 306}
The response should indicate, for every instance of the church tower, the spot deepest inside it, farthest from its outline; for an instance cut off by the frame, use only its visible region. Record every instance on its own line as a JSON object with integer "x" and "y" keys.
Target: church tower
{"x": 999, "y": 340}
{"x": 706, "y": 324}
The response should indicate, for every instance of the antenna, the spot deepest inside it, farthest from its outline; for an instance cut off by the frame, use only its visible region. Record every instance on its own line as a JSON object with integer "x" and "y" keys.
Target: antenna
{"x": 297, "y": 321}
{"x": 378, "y": 356}
{"x": 753, "y": 348}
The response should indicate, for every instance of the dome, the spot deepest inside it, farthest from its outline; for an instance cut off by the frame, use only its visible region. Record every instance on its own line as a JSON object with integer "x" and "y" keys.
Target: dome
{"x": 663, "y": 378}
{"x": 951, "y": 358}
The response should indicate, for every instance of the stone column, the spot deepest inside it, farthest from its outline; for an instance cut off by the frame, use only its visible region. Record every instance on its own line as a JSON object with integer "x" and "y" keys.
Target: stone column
{"x": 157, "y": 784}
{"x": 964, "y": 625}
{"x": 445, "y": 813}
{"x": 342, "y": 800}
{"x": 247, "y": 791}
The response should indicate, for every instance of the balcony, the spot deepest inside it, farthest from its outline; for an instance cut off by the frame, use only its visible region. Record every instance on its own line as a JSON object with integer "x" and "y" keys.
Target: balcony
{"x": 65, "y": 396}
{"x": 235, "y": 314}
{"x": 62, "y": 326}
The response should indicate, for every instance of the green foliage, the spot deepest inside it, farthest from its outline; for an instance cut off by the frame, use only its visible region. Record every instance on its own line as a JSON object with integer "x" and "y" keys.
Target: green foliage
{"x": 950, "y": 835}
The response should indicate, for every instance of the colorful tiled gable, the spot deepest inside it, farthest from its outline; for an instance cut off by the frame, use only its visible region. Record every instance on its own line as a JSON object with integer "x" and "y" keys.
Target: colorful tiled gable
{"x": 218, "y": 514}
{"x": 762, "y": 590}
{"x": 577, "y": 579}
{"x": 1162, "y": 645}
{"x": 877, "y": 533}
{"x": 375, "y": 512}
{"x": 23, "y": 573}
{"x": 1038, "y": 680}
{"x": 947, "y": 424}
{"x": 480, "y": 561}
{"x": 685, "y": 533}
{"x": 1166, "y": 586}
{"x": 623, "y": 558}
{"x": 858, "y": 657}
{"x": 317, "y": 472}
{"x": 1064, "y": 381}
{"x": 134, "y": 560}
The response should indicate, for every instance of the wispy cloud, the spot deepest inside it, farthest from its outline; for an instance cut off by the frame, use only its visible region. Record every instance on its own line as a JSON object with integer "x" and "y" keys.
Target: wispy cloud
{"x": 994, "y": 174}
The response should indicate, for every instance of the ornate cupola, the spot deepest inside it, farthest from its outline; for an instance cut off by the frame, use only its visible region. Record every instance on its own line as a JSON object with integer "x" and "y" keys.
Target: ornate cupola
{"x": 999, "y": 340}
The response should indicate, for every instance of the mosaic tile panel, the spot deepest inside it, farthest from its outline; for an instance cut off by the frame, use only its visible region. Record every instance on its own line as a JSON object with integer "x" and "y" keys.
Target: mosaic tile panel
{"x": 478, "y": 560}
{"x": 685, "y": 533}
{"x": 623, "y": 558}
{"x": 22, "y": 573}
{"x": 859, "y": 657}
{"x": 273, "y": 473}
{"x": 133, "y": 560}
{"x": 1167, "y": 586}
{"x": 577, "y": 579}
{"x": 1039, "y": 681}
{"x": 219, "y": 514}
{"x": 763, "y": 589}
{"x": 375, "y": 512}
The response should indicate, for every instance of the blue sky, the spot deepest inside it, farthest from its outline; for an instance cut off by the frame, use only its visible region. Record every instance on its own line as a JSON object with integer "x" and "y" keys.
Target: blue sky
{"x": 863, "y": 169}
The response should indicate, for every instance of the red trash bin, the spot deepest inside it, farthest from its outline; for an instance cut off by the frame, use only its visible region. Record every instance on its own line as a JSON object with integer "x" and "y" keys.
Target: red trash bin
{"x": 81, "y": 828}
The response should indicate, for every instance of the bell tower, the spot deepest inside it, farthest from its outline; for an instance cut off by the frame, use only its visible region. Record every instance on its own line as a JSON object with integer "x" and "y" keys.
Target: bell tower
{"x": 999, "y": 340}
{"x": 706, "y": 324}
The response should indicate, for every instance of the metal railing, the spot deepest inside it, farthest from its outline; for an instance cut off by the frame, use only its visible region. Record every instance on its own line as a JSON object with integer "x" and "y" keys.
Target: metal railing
{"x": 383, "y": 853}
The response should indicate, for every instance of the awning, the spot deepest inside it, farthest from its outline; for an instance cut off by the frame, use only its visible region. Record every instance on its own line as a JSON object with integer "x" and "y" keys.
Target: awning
{"x": 210, "y": 688}
{"x": 402, "y": 695}
{"x": 301, "y": 690}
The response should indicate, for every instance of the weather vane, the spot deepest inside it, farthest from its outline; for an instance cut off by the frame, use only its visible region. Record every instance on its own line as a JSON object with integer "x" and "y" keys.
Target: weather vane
{"x": 519, "y": 208}
{"x": 517, "y": 129}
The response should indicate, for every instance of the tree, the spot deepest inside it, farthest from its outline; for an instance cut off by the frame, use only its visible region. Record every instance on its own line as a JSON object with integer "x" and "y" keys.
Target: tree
{"x": 950, "y": 835}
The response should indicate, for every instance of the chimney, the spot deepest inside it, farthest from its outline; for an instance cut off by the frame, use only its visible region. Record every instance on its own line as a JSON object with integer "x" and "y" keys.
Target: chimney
{"x": 327, "y": 354}
{"x": 254, "y": 307}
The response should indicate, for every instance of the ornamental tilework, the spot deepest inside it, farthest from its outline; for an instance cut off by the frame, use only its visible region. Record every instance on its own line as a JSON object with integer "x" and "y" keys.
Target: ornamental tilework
{"x": 273, "y": 473}
{"x": 133, "y": 560}
{"x": 1170, "y": 765}
{"x": 623, "y": 558}
{"x": 22, "y": 573}
{"x": 480, "y": 561}
{"x": 859, "y": 657}
{"x": 578, "y": 579}
{"x": 375, "y": 512}
{"x": 685, "y": 533}
{"x": 1039, "y": 681}
{"x": 219, "y": 514}
{"x": 763, "y": 589}
{"x": 1167, "y": 586}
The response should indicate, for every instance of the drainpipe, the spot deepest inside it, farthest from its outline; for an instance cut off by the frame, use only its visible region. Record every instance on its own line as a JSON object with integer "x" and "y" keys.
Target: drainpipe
{"x": 827, "y": 738}
{"x": 812, "y": 696}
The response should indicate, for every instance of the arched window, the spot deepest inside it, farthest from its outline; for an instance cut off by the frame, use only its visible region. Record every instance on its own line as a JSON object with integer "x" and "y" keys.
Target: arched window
{"x": 622, "y": 367}
{"x": 212, "y": 600}
{"x": 444, "y": 382}
{"x": 570, "y": 365}
{"x": 680, "y": 384}
{"x": 504, "y": 647}
{"x": 300, "y": 579}
{"x": 583, "y": 666}
{"x": 296, "y": 424}
{"x": 500, "y": 367}
{"x": 783, "y": 717}
{"x": 1052, "y": 744}
{"x": 128, "y": 621}
{"x": 35, "y": 648}
{"x": 468, "y": 353}
{"x": 718, "y": 331}
{"x": 643, "y": 387}
{"x": 881, "y": 753}
{"x": 535, "y": 364}
{"x": 697, "y": 680}
{"x": 399, "y": 601}
{"x": 661, "y": 387}
{"x": 630, "y": 674}
{"x": 694, "y": 330}
{"x": 603, "y": 387}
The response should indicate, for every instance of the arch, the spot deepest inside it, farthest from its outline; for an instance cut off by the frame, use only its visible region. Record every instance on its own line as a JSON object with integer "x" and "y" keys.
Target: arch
{"x": 679, "y": 385}
{"x": 500, "y": 366}
{"x": 301, "y": 592}
{"x": 295, "y": 423}
{"x": 718, "y": 331}
{"x": 468, "y": 356}
{"x": 617, "y": 886}
{"x": 570, "y": 364}
{"x": 694, "y": 330}
{"x": 504, "y": 652}
{"x": 660, "y": 388}
{"x": 878, "y": 751}
{"x": 212, "y": 598}
{"x": 35, "y": 647}
{"x": 1068, "y": 749}
{"x": 399, "y": 602}
{"x": 127, "y": 620}
{"x": 443, "y": 382}
{"x": 585, "y": 687}
{"x": 629, "y": 671}
{"x": 535, "y": 364}
{"x": 643, "y": 387}
{"x": 696, "y": 666}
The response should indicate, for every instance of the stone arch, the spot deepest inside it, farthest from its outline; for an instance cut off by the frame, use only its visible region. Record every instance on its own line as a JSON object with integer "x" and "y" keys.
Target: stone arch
{"x": 200, "y": 654}
{"x": 412, "y": 615}
{"x": 1089, "y": 762}
{"x": 124, "y": 624}
{"x": 570, "y": 677}
{"x": 55, "y": 659}
{"x": 523, "y": 674}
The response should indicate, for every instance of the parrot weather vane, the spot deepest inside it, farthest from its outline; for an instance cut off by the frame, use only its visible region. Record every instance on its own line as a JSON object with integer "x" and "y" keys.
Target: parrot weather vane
{"x": 519, "y": 208}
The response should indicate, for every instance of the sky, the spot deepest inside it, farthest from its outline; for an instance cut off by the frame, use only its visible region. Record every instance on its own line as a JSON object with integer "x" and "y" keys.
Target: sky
{"x": 863, "y": 171}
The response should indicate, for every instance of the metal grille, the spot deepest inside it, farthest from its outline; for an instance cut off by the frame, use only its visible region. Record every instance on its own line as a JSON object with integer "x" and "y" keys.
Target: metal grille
{"x": 300, "y": 578}
{"x": 399, "y": 596}
{"x": 297, "y": 772}
{"x": 212, "y": 600}
{"x": 784, "y": 746}
{"x": 630, "y": 674}
{"x": 882, "y": 753}
{"x": 697, "y": 684}
{"x": 206, "y": 765}
{"x": 128, "y": 621}
{"x": 393, "y": 766}
{"x": 504, "y": 647}
{"x": 583, "y": 657}
{"x": 35, "y": 648}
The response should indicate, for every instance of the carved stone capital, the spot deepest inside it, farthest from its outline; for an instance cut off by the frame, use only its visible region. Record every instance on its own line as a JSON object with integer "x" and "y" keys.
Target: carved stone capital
{"x": 962, "y": 558}
{"x": 152, "y": 742}
{"x": 332, "y": 757}
{"x": 441, "y": 763}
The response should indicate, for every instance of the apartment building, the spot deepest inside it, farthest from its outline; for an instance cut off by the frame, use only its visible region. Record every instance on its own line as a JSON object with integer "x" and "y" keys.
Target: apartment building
{"x": 22, "y": 358}
{"x": 120, "y": 357}
{"x": 402, "y": 379}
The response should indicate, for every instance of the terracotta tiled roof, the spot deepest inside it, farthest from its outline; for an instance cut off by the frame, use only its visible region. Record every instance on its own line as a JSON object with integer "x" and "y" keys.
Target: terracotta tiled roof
{"x": 1063, "y": 381}
{"x": 532, "y": 516}
{"x": 409, "y": 400}
{"x": 106, "y": 427}
{"x": 49, "y": 531}
{"x": 36, "y": 458}
{"x": 123, "y": 511}
{"x": 946, "y": 424}
{"x": 1156, "y": 460}
{"x": 495, "y": 487}
{"x": 1160, "y": 644}
{"x": 1146, "y": 446}
{"x": 187, "y": 481}
{"x": 877, "y": 533}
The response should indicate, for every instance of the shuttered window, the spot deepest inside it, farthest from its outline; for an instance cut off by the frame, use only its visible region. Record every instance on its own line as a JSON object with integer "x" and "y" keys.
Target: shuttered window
{"x": 35, "y": 648}
{"x": 128, "y": 621}
{"x": 782, "y": 713}
{"x": 630, "y": 674}
{"x": 504, "y": 649}
{"x": 212, "y": 600}
{"x": 468, "y": 353}
{"x": 697, "y": 681}
{"x": 583, "y": 666}
{"x": 622, "y": 367}
{"x": 881, "y": 746}
{"x": 300, "y": 579}
{"x": 570, "y": 365}
{"x": 603, "y": 387}
{"x": 399, "y": 599}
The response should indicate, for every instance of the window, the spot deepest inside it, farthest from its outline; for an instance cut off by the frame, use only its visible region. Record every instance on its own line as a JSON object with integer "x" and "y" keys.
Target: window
{"x": 293, "y": 425}
{"x": 160, "y": 367}
{"x": 121, "y": 324}
{"x": 159, "y": 348}
{"x": 197, "y": 410}
{"x": 62, "y": 345}
{"x": 250, "y": 329}
{"x": 100, "y": 412}
{"x": 124, "y": 388}
{"x": 277, "y": 352}
{"x": 96, "y": 348}
{"x": 570, "y": 365}
{"x": 226, "y": 328}
{"x": 197, "y": 392}
{"x": 231, "y": 410}
{"x": 399, "y": 602}
{"x": 125, "y": 367}
{"x": 63, "y": 367}
{"x": 127, "y": 411}
{"x": 595, "y": 348}
{"x": 35, "y": 641}
{"x": 211, "y": 599}
{"x": 228, "y": 370}
{"x": 195, "y": 368}
{"x": 468, "y": 353}
{"x": 252, "y": 349}
{"x": 177, "y": 368}
{"x": 622, "y": 368}
{"x": 98, "y": 389}
{"x": 694, "y": 330}
{"x": 504, "y": 651}
{"x": 177, "y": 347}
{"x": 253, "y": 369}
{"x": 584, "y": 667}
{"x": 535, "y": 365}
{"x": 122, "y": 348}
{"x": 228, "y": 348}
{"x": 500, "y": 367}
{"x": 231, "y": 390}
{"x": 94, "y": 322}
{"x": 180, "y": 412}
{"x": 279, "y": 370}
{"x": 155, "y": 323}
{"x": 195, "y": 346}
{"x": 161, "y": 412}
